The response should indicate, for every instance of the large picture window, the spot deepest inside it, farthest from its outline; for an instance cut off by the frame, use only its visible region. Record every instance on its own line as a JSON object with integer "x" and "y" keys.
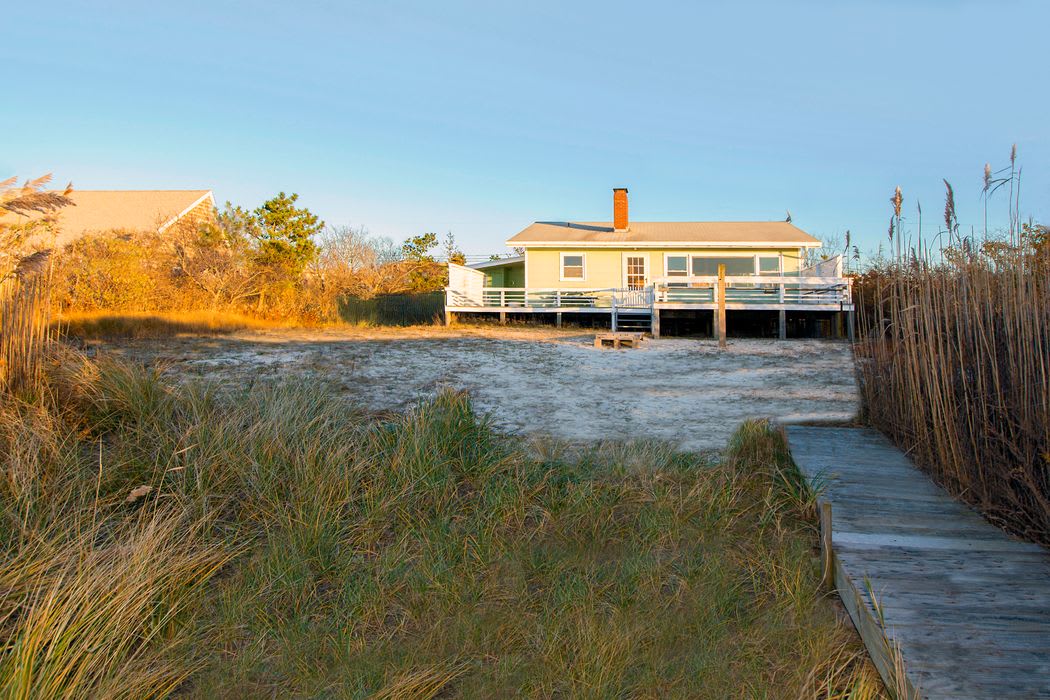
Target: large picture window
{"x": 573, "y": 266}
{"x": 769, "y": 264}
{"x": 704, "y": 266}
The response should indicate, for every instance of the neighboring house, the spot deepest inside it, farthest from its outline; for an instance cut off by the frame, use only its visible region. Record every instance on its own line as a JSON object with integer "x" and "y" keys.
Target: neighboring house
{"x": 636, "y": 272}
{"x": 155, "y": 211}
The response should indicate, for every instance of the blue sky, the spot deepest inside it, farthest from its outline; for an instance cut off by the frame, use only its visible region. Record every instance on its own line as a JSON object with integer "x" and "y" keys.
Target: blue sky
{"x": 481, "y": 117}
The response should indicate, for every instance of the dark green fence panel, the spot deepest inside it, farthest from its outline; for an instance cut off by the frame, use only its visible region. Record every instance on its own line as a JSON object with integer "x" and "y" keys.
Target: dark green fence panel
{"x": 393, "y": 309}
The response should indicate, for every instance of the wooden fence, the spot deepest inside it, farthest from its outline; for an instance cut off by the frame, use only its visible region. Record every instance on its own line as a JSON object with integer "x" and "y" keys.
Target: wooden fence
{"x": 393, "y": 309}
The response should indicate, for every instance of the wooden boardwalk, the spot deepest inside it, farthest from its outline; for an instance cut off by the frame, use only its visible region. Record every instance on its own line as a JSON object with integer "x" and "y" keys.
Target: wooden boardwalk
{"x": 967, "y": 606}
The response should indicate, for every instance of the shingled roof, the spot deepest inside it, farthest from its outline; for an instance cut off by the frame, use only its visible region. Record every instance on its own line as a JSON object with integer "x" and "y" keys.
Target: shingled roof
{"x": 690, "y": 234}
{"x": 127, "y": 210}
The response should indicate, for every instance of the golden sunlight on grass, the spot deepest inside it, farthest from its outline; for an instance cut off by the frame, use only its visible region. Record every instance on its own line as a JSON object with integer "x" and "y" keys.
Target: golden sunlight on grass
{"x": 102, "y": 324}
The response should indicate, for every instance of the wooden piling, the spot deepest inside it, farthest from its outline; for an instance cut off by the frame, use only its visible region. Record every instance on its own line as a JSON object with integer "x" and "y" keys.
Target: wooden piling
{"x": 720, "y": 323}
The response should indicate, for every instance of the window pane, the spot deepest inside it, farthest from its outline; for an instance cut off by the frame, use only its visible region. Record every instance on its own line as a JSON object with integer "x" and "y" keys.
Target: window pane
{"x": 706, "y": 267}
{"x": 769, "y": 265}
{"x": 572, "y": 267}
{"x": 677, "y": 266}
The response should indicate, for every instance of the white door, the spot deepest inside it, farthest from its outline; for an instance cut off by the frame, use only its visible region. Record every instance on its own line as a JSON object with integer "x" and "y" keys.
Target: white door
{"x": 635, "y": 271}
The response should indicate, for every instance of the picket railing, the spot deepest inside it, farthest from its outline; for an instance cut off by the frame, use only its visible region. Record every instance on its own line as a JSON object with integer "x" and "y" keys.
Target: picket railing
{"x": 755, "y": 290}
{"x": 742, "y": 290}
{"x": 520, "y": 297}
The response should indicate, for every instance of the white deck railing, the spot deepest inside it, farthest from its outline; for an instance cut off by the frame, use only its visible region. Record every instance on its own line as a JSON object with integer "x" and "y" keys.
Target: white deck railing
{"x": 751, "y": 290}
{"x": 518, "y": 297}
{"x": 755, "y": 290}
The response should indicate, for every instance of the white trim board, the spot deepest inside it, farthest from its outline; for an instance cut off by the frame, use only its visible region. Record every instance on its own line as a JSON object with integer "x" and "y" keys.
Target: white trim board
{"x": 207, "y": 195}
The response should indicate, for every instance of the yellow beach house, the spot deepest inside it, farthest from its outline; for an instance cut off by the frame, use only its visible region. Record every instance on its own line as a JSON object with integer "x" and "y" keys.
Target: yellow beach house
{"x": 660, "y": 275}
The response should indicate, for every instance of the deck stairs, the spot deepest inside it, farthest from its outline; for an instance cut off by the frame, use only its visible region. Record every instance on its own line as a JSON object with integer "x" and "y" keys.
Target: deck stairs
{"x": 632, "y": 310}
{"x": 634, "y": 320}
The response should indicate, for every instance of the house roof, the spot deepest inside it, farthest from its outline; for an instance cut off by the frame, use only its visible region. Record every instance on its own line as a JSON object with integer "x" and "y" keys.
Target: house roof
{"x": 131, "y": 210}
{"x": 515, "y": 260}
{"x": 721, "y": 234}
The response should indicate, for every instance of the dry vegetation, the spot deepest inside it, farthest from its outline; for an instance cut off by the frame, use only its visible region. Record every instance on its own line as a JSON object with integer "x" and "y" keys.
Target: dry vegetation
{"x": 214, "y": 272}
{"x": 135, "y": 325}
{"x": 262, "y": 541}
{"x": 954, "y": 361}
{"x": 25, "y": 285}
{"x": 266, "y": 543}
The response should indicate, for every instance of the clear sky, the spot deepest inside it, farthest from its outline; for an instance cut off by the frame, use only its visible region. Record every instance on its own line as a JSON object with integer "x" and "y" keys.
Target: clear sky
{"x": 482, "y": 117}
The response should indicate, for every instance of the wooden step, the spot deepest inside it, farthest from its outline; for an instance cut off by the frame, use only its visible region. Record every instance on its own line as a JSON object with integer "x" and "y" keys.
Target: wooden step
{"x": 617, "y": 340}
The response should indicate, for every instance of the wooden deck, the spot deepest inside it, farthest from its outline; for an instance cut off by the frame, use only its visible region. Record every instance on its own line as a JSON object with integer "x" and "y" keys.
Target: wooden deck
{"x": 967, "y": 606}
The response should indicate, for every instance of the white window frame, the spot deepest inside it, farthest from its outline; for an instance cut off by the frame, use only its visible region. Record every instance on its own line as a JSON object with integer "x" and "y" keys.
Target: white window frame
{"x": 623, "y": 265}
{"x": 667, "y": 272}
{"x": 561, "y": 267}
{"x": 733, "y": 254}
{"x": 780, "y": 264}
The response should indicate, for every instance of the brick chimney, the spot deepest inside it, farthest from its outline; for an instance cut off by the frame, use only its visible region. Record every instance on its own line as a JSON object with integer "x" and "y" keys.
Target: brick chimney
{"x": 620, "y": 208}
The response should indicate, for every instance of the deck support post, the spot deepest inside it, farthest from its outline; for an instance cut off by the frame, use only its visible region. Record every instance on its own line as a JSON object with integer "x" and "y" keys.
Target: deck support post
{"x": 502, "y": 317}
{"x": 721, "y": 313}
{"x": 655, "y": 323}
{"x": 557, "y": 320}
{"x": 782, "y": 324}
{"x": 449, "y": 317}
{"x": 850, "y": 332}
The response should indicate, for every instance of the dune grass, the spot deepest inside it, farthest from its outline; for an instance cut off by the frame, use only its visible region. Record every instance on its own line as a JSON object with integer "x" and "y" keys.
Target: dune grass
{"x": 123, "y": 325}
{"x": 274, "y": 542}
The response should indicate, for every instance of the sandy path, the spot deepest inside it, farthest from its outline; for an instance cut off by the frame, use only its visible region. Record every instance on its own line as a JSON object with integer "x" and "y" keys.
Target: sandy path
{"x": 545, "y": 381}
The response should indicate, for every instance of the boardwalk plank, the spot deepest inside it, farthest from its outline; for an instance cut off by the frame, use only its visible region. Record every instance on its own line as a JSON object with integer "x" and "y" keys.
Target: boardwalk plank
{"x": 967, "y": 605}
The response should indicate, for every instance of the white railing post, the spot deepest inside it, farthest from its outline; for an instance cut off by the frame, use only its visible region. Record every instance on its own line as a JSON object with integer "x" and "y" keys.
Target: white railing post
{"x": 502, "y": 297}
{"x": 557, "y": 298}
{"x": 781, "y": 292}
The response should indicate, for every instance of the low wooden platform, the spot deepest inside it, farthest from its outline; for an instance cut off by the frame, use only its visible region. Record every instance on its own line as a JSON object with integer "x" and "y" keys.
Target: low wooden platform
{"x": 967, "y": 606}
{"x": 618, "y": 339}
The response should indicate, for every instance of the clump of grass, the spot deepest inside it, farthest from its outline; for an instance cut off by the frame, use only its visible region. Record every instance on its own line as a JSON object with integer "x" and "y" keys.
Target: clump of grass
{"x": 125, "y": 325}
{"x": 413, "y": 555}
{"x": 99, "y": 615}
{"x": 95, "y": 585}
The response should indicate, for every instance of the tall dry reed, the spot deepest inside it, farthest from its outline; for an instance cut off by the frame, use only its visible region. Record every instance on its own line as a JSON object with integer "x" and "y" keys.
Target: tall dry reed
{"x": 25, "y": 331}
{"x": 954, "y": 359}
{"x": 25, "y": 281}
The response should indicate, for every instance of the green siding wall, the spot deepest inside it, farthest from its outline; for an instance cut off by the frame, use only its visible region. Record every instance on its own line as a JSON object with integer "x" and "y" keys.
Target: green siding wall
{"x": 505, "y": 276}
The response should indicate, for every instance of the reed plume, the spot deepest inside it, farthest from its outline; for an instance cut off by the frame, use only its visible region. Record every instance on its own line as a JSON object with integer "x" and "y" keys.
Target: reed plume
{"x": 953, "y": 366}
